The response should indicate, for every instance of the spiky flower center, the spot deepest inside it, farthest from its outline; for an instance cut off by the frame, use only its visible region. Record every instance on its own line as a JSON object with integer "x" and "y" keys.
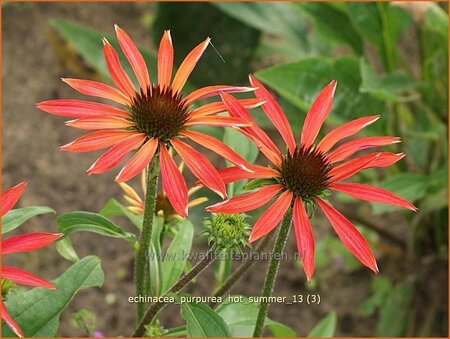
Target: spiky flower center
{"x": 305, "y": 173}
{"x": 159, "y": 113}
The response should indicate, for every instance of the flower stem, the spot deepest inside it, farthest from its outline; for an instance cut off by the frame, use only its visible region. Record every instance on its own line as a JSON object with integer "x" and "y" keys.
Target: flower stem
{"x": 140, "y": 263}
{"x": 154, "y": 308}
{"x": 272, "y": 271}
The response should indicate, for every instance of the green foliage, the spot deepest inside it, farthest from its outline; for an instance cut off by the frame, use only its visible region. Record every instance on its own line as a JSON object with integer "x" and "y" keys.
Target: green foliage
{"x": 325, "y": 328}
{"x": 17, "y": 217}
{"x": 37, "y": 311}
{"x": 114, "y": 208}
{"x": 202, "y": 321}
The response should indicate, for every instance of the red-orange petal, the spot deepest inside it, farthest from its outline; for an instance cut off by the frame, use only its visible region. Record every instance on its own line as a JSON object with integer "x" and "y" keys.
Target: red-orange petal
{"x": 188, "y": 65}
{"x": 139, "y": 161}
{"x": 118, "y": 75}
{"x": 272, "y": 216}
{"x": 219, "y": 107}
{"x": 349, "y": 235}
{"x": 344, "y": 131}
{"x": 10, "y": 197}
{"x": 217, "y": 121}
{"x": 79, "y": 108}
{"x": 371, "y": 193}
{"x": 317, "y": 114}
{"x": 246, "y": 202}
{"x": 28, "y": 242}
{"x": 351, "y": 147}
{"x": 100, "y": 122}
{"x": 97, "y": 140}
{"x": 97, "y": 89}
{"x": 116, "y": 154}
{"x": 22, "y": 277}
{"x": 165, "y": 60}
{"x": 304, "y": 237}
{"x": 274, "y": 113}
{"x": 349, "y": 168}
{"x": 218, "y": 147}
{"x": 200, "y": 166}
{"x": 209, "y": 91}
{"x": 10, "y": 321}
{"x": 173, "y": 183}
{"x": 234, "y": 173}
{"x": 134, "y": 57}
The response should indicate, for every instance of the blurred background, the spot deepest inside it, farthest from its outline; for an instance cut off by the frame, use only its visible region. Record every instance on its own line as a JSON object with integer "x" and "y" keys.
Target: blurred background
{"x": 388, "y": 58}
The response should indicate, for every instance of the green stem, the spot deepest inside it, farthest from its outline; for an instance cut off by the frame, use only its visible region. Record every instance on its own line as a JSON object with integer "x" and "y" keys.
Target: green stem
{"x": 143, "y": 244}
{"x": 272, "y": 272}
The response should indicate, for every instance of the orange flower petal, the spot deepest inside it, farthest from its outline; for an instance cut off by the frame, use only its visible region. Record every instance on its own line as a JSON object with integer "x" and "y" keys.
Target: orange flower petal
{"x": 188, "y": 65}
{"x": 100, "y": 122}
{"x": 97, "y": 89}
{"x": 349, "y": 168}
{"x": 79, "y": 108}
{"x": 234, "y": 173}
{"x": 200, "y": 166}
{"x": 272, "y": 216}
{"x": 274, "y": 113}
{"x": 304, "y": 236}
{"x": 371, "y": 193}
{"x": 209, "y": 91}
{"x": 219, "y": 107}
{"x": 134, "y": 57}
{"x": 173, "y": 183}
{"x": 10, "y": 197}
{"x": 217, "y": 121}
{"x": 118, "y": 75}
{"x": 97, "y": 140}
{"x": 317, "y": 114}
{"x": 22, "y": 277}
{"x": 246, "y": 202}
{"x": 139, "y": 161}
{"x": 349, "y": 235}
{"x": 165, "y": 60}
{"x": 116, "y": 154}
{"x": 10, "y": 321}
{"x": 344, "y": 131}
{"x": 28, "y": 242}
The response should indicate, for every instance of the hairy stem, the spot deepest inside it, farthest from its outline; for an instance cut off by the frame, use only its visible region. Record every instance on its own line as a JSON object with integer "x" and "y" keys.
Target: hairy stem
{"x": 272, "y": 271}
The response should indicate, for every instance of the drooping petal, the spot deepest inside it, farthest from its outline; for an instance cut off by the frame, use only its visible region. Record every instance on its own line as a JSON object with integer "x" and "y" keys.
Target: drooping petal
{"x": 79, "y": 108}
{"x": 28, "y": 242}
{"x": 139, "y": 161}
{"x": 217, "y": 146}
{"x": 304, "y": 237}
{"x": 234, "y": 173}
{"x": 10, "y": 321}
{"x": 246, "y": 202}
{"x": 351, "y": 147}
{"x": 165, "y": 60}
{"x": 118, "y": 75}
{"x": 272, "y": 216}
{"x": 22, "y": 277}
{"x": 97, "y": 89}
{"x": 130, "y": 192}
{"x": 100, "y": 122}
{"x": 371, "y": 193}
{"x": 349, "y": 235}
{"x": 188, "y": 65}
{"x": 317, "y": 114}
{"x": 10, "y": 197}
{"x": 116, "y": 154}
{"x": 217, "y": 121}
{"x": 349, "y": 168}
{"x": 173, "y": 183}
{"x": 200, "y": 166}
{"x": 209, "y": 91}
{"x": 274, "y": 113}
{"x": 97, "y": 140}
{"x": 348, "y": 129}
{"x": 134, "y": 57}
{"x": 219, "y": 107}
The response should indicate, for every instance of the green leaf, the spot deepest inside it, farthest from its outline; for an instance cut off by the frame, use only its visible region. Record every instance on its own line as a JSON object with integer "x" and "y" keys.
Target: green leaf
{"x": 71, "y": 222}
{"x": 16, "y": 217}
{"x": 66, "y": 250}
{"x": 332, "y": 23}
{"x": 202, "y": 321}
{"x": 177, "y": 254}
{"x": 114, "y": 208}
{"x": 155, "y": 281}
{"x": 325, "y": 328}
{"x": 280, "y": 330}
{"x": 37, "y": 311}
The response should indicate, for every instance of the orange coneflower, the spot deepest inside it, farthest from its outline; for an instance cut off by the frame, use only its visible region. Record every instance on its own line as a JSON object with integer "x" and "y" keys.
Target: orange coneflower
{"x": 155, "y": 118}
{"x": 306, "y": 172}
{"x": 21, "y": 243}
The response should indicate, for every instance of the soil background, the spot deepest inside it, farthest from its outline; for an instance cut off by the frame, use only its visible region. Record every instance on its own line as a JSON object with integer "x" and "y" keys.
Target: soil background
{"x": 31, "y": 73}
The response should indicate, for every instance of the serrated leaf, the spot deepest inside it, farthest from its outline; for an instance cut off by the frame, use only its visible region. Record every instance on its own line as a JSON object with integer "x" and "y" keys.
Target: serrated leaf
{"x": 325, "y": 328}
{"x": 16, "y": 217}
{"x": 202, "y": 321}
